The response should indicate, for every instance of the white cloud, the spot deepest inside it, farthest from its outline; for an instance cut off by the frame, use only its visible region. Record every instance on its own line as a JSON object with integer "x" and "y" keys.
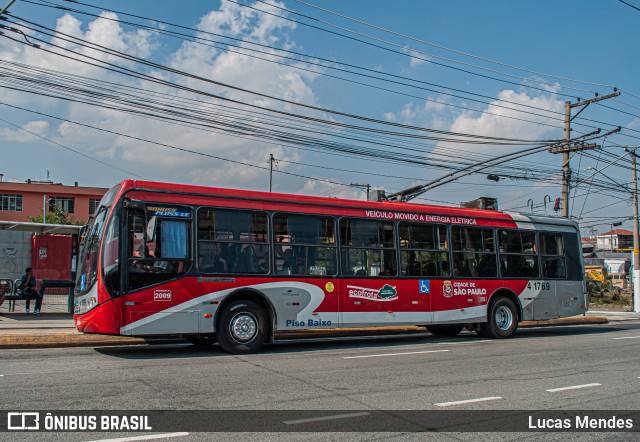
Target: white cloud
{"x": 324, "y": 188}
{"x": 432, "y": 113}
{"x": 158, "y": 162}
{"x": 492, "y": 122}
{"x": 22, "y": 136}
{"x": 417, "y": 58}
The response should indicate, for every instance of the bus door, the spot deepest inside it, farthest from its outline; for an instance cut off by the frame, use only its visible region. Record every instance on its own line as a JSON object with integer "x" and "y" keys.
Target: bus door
{"x": 158, "y": 253}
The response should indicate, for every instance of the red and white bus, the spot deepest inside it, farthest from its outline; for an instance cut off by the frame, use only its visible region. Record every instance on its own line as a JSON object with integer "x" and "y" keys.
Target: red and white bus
{"x": 235, "y": 266}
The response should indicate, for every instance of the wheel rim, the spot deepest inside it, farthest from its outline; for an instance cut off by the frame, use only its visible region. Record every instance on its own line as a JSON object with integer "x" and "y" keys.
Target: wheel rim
{"x": 504, "y": 318}
{"x": 243, "y": 327}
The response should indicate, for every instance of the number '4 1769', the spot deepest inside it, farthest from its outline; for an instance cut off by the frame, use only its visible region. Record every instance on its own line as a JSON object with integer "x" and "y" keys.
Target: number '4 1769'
{"x": 539, "y": 285}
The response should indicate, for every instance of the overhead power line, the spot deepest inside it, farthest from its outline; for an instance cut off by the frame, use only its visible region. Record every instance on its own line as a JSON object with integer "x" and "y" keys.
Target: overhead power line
{"x": 466, "y": 54}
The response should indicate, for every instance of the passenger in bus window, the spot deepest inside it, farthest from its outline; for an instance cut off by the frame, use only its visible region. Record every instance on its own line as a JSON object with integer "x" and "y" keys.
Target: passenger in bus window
{"x": 289, "y": 260}
{"x": 245, "y": 261}
{"x": 214, "y": 263}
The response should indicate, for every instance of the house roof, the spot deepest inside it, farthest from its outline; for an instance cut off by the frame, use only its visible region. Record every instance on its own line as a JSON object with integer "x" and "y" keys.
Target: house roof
{"x": 615, "y": 232}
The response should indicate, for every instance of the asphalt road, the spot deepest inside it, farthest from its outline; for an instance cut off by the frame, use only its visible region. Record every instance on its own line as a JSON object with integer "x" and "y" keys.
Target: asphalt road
{"x": 564, "y": 368}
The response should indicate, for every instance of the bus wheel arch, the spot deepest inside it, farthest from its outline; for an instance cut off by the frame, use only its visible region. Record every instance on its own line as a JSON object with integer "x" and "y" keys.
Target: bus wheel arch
{"x": 245, "y": 320}
{"x": 504, "y": 312}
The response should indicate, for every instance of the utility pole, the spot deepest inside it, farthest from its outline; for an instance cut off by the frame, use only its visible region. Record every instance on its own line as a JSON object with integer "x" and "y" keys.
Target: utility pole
{"x": 44, "y": 210}
{"x": 567, "y": 149}
{"x": 362, "y": 186}
{"x": 636, "y": 237}
{"x": 271, "y": 161}
{"x": 6, "y": 8}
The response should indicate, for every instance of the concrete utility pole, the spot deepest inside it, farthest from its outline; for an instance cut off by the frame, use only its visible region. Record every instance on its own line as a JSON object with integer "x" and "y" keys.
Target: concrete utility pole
{"x": 636, "y": 236}
{"x": 567, "y": 149}
{"x": 367, "y": 187}
{"x": 271, "y": 161}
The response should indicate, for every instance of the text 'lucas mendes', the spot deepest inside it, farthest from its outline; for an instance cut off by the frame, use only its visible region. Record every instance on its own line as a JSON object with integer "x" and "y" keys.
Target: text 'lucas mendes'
{"x": 581, "y": 422}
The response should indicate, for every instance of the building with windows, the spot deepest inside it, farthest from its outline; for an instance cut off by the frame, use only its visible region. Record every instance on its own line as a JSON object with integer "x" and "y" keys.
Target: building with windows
{"x": 19, "y": 201}
{"x": 614, "y": 240}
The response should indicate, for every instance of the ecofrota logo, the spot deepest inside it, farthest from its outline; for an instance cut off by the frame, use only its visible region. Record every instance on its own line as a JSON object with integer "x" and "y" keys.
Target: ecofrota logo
{"x": 23, "y": 421}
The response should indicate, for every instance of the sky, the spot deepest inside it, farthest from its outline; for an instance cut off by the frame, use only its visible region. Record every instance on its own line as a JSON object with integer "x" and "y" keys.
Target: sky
{"x": 385, "y": 94}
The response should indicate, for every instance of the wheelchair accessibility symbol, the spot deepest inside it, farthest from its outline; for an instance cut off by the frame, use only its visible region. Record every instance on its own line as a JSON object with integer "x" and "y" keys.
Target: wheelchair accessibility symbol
{"x": 425, "y": 286}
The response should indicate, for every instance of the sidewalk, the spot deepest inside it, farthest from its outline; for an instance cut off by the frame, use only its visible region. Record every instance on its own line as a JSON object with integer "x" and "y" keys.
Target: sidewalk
{"x": 54, "y": 330}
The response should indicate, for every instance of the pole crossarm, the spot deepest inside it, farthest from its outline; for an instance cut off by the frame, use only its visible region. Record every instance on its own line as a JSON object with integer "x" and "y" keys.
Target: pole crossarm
{"x": 594, "y": 100}
{"x": 573, "y": 148}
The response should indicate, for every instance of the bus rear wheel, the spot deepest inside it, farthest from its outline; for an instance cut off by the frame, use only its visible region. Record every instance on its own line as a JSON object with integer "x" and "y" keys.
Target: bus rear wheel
{"x": 444, "y": 330}
{"x": 503, "y": 319}
{"x": 242, "y": 327}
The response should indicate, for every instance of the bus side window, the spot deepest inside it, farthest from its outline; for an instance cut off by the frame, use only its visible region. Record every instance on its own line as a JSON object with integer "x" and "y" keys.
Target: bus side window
{"x": 304, "y": 245}
{"x": 552, "y": 253}
{"x": 166, "y": 257}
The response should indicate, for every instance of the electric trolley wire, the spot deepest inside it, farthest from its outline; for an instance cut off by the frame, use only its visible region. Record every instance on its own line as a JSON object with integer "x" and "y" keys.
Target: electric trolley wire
{"x": 138, "y": 101}
{"x": 72, "y": 150}
{"x": 466, "y": 54}
{"x": 444, "y": 90}
{"x": 171, "y": 146}
{"x": 355, "y": 128}
{"x": 474, "y": 138}
{"x": 475, "y": 110}
{"x": 426, "y": 55}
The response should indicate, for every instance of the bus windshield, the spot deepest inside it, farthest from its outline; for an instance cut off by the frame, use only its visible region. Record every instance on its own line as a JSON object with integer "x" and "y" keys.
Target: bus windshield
{"x": 90, "y": 243}
{"x": 88, "y": 260}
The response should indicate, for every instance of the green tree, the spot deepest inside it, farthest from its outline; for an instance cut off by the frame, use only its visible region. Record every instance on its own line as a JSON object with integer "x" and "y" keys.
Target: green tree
{"x": 55, "y": 215}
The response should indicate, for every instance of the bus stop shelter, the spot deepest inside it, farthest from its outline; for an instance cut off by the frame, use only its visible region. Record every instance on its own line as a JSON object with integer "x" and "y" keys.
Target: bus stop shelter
{"x": 46, "y": 280}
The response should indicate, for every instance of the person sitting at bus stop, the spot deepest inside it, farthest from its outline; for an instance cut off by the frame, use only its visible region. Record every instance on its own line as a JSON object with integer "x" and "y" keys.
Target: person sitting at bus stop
{"x": 28, "y": 288}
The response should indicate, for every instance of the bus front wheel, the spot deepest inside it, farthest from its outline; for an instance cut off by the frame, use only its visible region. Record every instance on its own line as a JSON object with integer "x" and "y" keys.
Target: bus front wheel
{"x": 503, "y": 319}
{"x": 242, "y": 328}
{"x": 444, "y": 330}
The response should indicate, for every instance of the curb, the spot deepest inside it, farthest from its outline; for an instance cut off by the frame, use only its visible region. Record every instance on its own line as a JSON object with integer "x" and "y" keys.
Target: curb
{"x": 62, "y": 340}
{"x": 574, "y": 320}
{"x": 75, "y": 339}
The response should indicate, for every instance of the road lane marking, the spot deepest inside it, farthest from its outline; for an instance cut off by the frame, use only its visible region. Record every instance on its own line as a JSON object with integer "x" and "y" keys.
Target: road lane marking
{"x": 573, "y": 387}
{"x": 394, "y": 354}
{"x": 628, "y": 337}
{"x": 326, "y": 418}
{"x": 147, "y": 437}
{"x": 468, "y": 401}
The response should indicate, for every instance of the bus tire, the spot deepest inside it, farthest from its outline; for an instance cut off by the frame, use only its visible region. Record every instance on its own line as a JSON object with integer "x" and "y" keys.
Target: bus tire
{"x": 242, "y": 328}
{"x": 444, "y": 330}
{"x": 502, "y": 319}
